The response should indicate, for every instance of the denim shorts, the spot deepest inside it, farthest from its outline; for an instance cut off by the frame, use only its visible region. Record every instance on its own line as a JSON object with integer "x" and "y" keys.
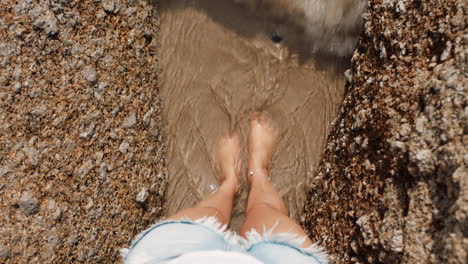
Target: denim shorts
{"x": 168, "y": 240}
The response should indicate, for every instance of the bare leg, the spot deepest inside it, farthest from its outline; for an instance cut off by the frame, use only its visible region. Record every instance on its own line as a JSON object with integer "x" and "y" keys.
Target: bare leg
{"x": 265, "y": 208}
{"x": 219, "y": 203}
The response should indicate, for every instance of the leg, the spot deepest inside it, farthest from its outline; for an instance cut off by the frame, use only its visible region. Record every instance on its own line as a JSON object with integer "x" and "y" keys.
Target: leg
{"x": 265, "y": 208}
{"x": 219, "y": 203}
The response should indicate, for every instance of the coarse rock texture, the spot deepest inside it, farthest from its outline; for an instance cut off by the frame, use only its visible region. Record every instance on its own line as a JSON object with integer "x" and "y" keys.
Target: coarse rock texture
{"x": 81, "y": 159}
{"x": 392, "y": 186}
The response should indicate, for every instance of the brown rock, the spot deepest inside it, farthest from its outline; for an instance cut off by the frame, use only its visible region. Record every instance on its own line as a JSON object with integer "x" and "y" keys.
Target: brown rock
{"x": 407, "y": 183}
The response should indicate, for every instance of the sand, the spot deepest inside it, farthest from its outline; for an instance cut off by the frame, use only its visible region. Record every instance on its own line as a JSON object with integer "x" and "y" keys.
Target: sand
{"x": 219, "y": 65}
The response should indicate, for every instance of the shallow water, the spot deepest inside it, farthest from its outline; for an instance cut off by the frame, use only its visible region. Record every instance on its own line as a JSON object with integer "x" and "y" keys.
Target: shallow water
{"x": 220, "y": 65}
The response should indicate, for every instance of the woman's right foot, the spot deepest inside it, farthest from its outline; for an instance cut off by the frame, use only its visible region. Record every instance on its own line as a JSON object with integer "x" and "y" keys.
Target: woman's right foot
{"x": 262, "y": 140}
{"x": 228, "y": 157}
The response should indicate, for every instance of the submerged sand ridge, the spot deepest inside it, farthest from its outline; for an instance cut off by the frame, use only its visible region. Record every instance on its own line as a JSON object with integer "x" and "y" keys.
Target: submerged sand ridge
{"x": 220, "y": 65}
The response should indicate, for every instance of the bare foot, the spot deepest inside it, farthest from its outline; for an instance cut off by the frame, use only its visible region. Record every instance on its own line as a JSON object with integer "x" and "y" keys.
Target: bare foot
{"x": 228, "y": 157}
{"x": 262, "y": 140}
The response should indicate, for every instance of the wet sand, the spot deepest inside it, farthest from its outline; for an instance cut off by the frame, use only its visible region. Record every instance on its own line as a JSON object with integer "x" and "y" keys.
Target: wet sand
{"x": 220, "y": 65}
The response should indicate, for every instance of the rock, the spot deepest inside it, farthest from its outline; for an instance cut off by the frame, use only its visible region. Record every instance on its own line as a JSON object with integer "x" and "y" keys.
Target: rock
{"x": 425, "y": 161}
{"x": 142, "y": 195}
{"x": 39, "y": 111}
{"x": 17, "y": 73}
{"x": 88, "y": 132}
{"x": 99, "y": 157}
{"x": 130, "y": 120}
{"x": 4, "y": 252}
{"x": 153, "y": 128}
{"x": 57, "y": 214}
{"x": 51, "y": 205}
{"x": 9, "y": 48}
{"x": 147, "y": 116}
{"x": 3, "y": 171}
{"x": 124, "y": 147}
{"x": 44, "y": 19}
{"x": 348, "y": 75}
{"x": 161, "y": 175}
{"x": 17, "y": 30}
{"x": 89, "y": 205}
{"x": 366, "y": 229}
{"x": 17, "y": 87}
{"x": 89, "y": 74}
{"x": 445, "y": 55}
{"x": 101, "y": 89}
{"x": 32, "y": 155}
{"x": 111, "y": 6}
{"x": 28, "y": 203}
{"x": 405, "y": 109}
{"x": 97, "y": 54}
{"x": 103, "y": 171}
{"x": 85, "y": 168}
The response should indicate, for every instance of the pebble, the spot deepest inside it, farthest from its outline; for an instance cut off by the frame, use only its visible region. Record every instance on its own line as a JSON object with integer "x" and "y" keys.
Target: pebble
{"x": 4, "y": 252}
{"x": 51, "y": 205}
{"x": 147, "y": 116}
{"x": 161, "y": 175}
{"x": 86, "y": 168}
{"x": 3, "y": 171}
{"x": 57, "y": 214}
{"x": 39, "y": 111}
{"x": 89, "y": 205}
{"x": 142, "y": 195}
{"x": 111, "y": 6}
{"x": 97, "y": 54}
{"x": 425, "y": 161}
{"x": 103, "y": 171}
{"x": 130, "y": 120}
{"x": 44, "y": 19}
{"x": 89, "y": 74}
{"x": 28, "y": 203}
{"x": 153, "y": 128}
{"x": 349, "y": 75}
{"x": 32, "y": 155}
{"x": 124, "y": 147}
{"x": 446, "y": 54}
{"x": 101, "y": 89}
{"x": 88, "y": 132}
{"x": 17, "y": 87}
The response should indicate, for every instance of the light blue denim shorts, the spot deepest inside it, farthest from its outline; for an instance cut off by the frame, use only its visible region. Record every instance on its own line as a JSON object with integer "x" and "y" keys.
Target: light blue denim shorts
{"x": 168, "y": 240}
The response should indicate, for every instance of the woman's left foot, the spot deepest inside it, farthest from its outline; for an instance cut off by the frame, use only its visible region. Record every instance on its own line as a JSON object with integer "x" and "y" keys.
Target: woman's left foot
{"x": 228, "y": 158}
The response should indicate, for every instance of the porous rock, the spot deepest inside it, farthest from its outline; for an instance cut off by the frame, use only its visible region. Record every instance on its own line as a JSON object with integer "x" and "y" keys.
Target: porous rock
{"x": 401, "y": 197}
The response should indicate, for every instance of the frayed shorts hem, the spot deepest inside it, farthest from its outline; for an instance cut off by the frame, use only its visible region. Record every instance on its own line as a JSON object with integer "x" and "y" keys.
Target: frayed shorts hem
{"x": 170, "y": 239}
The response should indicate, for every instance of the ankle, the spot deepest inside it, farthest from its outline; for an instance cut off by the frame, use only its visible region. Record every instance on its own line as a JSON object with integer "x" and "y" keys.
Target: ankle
{"x": 258, "y": 166}
{"x": 230, "y": 186}
{"x": 255, "y": 175}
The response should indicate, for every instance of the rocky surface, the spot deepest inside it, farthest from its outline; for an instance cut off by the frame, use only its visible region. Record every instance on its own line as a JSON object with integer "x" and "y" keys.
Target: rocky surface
{"x": 82, "y": 166}
{"x": 392, "y": 186}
